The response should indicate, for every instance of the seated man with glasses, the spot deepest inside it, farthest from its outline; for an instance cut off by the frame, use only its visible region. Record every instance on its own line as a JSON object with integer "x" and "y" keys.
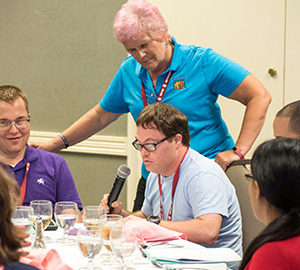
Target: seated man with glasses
{"x": 185, "y": 191}
{"x": 41, "y": 175}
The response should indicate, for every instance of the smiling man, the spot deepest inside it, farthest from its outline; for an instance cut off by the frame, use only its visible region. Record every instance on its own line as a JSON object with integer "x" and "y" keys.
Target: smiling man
{"x": 185, "y": 191}
{"x": 41, "y": 175}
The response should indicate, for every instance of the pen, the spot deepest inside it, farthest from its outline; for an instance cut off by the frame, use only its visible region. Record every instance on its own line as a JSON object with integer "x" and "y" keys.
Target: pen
{"x": 142, "y": 251}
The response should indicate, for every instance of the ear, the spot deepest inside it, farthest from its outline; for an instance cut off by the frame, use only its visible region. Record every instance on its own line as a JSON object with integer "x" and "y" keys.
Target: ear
{"x": 178, "y": 138}
{"x": 257, "y": 193}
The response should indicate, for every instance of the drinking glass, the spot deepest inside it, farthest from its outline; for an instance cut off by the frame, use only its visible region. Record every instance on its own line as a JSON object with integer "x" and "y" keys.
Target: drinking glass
{"x": 91, "y": 214}
{"x": 123, "y": 241}
{"x": 66, "y": 215}
{"x": 23, "y": 216}
{"x": 43, "y": 209}
{"x": 90, "y": 243}
{"x": 105, "y": 224}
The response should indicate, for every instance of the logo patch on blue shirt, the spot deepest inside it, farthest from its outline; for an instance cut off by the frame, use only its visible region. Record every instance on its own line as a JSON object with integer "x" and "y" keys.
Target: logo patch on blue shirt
{"x": 178, "y": 83}
{"x": 40, "y": 181}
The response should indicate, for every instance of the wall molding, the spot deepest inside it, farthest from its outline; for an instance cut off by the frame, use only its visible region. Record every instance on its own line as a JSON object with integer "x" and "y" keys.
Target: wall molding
{"x": 97, "y": 144}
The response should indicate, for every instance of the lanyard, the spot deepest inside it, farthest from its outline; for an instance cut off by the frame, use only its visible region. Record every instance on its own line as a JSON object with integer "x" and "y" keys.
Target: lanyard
{"x": 24, "y": 182}
{"x": 161, "y": 92}
{"x": 174, "y": 185}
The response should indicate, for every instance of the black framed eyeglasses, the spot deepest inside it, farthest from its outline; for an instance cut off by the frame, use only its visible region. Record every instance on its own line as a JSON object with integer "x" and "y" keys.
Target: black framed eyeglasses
{"x": 249, "y": 176}
{"x": 150, "y": 147}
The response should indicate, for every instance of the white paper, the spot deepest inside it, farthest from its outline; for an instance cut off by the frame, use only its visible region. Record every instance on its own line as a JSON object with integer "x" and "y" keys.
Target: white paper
{"x": 193, "y": 252}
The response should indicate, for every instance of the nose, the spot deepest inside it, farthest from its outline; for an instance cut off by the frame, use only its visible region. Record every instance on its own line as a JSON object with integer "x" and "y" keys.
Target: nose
{"x": 144, "y": 152}
{"x": 141, "y": 53}
{"x": 13, "y": 128}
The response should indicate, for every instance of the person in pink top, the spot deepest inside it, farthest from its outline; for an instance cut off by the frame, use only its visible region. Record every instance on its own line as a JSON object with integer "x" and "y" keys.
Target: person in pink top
{"x": 274, "y": 190}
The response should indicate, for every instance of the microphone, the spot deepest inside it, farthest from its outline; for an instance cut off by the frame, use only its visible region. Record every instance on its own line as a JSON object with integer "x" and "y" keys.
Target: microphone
{"x": 122, "y": 174}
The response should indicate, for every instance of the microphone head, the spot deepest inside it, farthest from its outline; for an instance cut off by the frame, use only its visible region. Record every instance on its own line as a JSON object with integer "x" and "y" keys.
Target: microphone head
{"x": 123, "y": 171}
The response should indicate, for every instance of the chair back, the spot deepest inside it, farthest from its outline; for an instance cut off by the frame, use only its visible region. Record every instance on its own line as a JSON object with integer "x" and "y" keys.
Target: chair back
{"x": 251, "y": 227}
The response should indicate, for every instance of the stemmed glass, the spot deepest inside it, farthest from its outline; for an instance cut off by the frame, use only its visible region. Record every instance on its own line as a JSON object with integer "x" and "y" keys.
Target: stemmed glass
{"x": 106, "y": 222}
{"x": 23, "y": 216}
{"x": 43, "y": 209}
{"x": 91, "y": 214}
{"x": 66, "y": 215}
{"x": 123, "y": 241}
{"x": 90, "y": 243}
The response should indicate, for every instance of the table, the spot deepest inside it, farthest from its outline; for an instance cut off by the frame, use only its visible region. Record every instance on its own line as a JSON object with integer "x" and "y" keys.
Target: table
{"x": 71, "y": 255}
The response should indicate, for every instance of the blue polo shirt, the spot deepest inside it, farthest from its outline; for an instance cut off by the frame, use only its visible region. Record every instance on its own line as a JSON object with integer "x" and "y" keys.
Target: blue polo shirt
{"x": 199, "y": 76}
{"x": 48, "y": 178}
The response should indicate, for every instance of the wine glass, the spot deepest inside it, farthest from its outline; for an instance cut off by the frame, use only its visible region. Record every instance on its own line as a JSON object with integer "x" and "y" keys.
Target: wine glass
{"x": 90, "y": 243}
{"x": 105, "y": 223}
{"x": 66, "y": 215}
{"x": 91, "y": 214}
{"x": 43, "y": 209}
{"x": 123, "y": 241}
{"x": 23, "y": 216}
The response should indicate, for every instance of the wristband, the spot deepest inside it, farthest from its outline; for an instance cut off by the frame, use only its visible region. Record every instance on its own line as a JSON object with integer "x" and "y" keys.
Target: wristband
{"x": 238, "y": 152}
{"x": 64, "y": 140}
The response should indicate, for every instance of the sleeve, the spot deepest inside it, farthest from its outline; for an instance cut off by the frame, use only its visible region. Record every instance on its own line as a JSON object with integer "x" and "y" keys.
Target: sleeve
{"x": 113, "y": 100}
{"x": 66, "y": 188}
{"x": 147, "y": 207}
{"x": 207, "y": 195}
{"x": 268, "y": 257}
{"x": 223, "y": 75}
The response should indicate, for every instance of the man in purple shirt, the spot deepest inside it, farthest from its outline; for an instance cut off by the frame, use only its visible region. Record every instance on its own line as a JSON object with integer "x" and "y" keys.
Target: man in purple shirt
{"x": 41, "y": 175}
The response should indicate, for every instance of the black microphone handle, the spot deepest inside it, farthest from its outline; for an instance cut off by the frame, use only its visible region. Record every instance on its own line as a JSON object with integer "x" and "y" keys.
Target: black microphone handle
{"x": 115, "y": 191}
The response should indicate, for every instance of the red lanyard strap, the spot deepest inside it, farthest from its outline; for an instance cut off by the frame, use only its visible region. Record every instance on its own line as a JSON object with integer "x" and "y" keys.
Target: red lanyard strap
{"x": 23, "y": 185}
{"x": 174, "y": 185}
{"x": 162, "y": 89}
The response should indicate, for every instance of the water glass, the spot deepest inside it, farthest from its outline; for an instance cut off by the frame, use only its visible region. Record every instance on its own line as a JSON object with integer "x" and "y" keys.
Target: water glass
{"x": 91, "y": 214}
{"x": 66, "y": 213}
{"x": 23, "y": 216}
{"x": 90, "y": 244}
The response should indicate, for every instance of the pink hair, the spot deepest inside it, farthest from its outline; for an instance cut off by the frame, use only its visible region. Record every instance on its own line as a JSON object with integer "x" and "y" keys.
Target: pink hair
{"x": 136, "y": 17}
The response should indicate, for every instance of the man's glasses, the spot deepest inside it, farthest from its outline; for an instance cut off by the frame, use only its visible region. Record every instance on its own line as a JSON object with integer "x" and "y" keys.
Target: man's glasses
{"x": 19, "y": 124}
{"x": 150, "y": 147}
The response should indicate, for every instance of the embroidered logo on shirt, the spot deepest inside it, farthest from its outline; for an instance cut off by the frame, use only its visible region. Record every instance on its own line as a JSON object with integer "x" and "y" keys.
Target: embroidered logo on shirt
{"x": 40, "y": 181}
{"x": 178, "y": 83}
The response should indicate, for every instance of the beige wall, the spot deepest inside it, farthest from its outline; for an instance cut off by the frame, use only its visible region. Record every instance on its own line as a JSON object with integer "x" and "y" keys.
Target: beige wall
{"x": 63, "y": 54}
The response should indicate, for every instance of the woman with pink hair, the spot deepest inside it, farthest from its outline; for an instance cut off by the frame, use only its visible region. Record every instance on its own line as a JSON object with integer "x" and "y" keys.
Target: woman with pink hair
{"x": 189, "y": 78}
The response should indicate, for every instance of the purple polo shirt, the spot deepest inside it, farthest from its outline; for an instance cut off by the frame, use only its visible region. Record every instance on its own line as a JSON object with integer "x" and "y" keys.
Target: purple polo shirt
{"x": 49, "y": 177}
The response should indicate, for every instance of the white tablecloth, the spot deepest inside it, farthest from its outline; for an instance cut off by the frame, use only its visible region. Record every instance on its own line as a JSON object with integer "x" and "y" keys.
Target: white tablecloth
{"x": 71, "y": 255}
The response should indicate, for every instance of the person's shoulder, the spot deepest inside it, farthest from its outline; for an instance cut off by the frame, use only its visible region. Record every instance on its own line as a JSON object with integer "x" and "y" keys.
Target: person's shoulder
{"x": 129, "y": 61}
{"x": 19, "y": 266}
{"x": 45, "y": 154}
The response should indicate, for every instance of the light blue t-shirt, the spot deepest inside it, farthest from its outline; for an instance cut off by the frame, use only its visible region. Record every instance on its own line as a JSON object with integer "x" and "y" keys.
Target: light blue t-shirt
{"x": 203, "y": 188}
{"x": 199, "y": 76}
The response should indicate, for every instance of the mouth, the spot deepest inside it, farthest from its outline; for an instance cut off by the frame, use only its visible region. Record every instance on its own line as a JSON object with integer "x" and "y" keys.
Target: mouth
{"x": 14, "y": 139}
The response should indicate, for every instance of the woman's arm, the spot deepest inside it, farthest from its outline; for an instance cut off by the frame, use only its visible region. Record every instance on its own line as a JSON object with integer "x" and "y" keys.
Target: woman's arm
{"x": 93, "y": 121}
{"x": 256, "y": 98}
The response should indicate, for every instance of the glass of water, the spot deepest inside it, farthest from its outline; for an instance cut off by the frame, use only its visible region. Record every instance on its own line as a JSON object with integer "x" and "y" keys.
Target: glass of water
{"x": 23, "y": 216}
{"x": 91, "y": 214}
{"x": 66, "y": 215}
{"x": 123, "y": 241}
{"x": 90, "y": 243}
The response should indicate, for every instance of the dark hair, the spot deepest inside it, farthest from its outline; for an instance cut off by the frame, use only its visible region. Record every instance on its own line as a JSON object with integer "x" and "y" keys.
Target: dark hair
{"x": 167, "y": 120}
{"x": 292, "y": 111}
{"x": 275, "y": 166}
{"x": 10, "y": 242}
